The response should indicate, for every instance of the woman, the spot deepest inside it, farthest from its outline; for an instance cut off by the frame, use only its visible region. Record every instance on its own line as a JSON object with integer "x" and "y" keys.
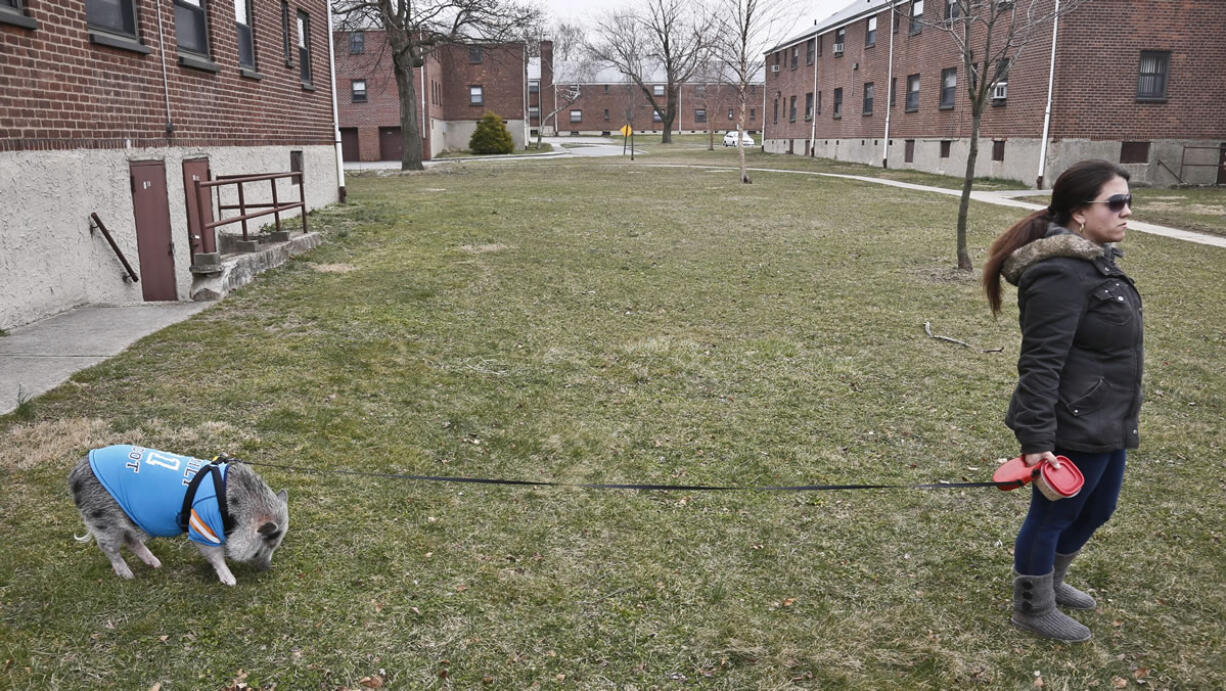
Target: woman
{"x": 1079, "y": 376}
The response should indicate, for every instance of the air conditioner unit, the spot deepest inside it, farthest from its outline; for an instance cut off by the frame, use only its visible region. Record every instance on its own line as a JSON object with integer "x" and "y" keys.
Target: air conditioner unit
{"x": 1000, "y": 91}
{"x": 774, "y": 68}
{"x": 838, "y": 49}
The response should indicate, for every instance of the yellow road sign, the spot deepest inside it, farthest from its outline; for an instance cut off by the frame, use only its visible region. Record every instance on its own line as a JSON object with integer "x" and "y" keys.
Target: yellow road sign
{"x": 626, "y": 130}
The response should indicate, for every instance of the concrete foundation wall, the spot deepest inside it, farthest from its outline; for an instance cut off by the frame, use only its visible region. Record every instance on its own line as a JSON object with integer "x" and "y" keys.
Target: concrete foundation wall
{"x": 51, "y": 262}
{"x": 1021, "y": 157}
{"x": 457, "y": 133}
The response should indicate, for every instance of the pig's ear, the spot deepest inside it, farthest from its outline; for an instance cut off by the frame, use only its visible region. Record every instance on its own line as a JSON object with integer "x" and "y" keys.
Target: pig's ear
{"x": 268, "y": 529}
{"x": 283, "y": 495}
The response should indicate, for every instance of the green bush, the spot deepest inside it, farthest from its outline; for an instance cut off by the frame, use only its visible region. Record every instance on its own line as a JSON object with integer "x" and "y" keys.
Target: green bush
{"x": 491, "y": 136}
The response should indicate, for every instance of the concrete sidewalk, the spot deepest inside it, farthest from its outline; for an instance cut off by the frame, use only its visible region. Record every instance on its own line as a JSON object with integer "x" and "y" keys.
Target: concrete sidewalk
{"x": 39, "y": 357}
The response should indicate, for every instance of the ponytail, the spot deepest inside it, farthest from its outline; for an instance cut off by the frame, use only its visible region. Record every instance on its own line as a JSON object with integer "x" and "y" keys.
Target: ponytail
{"x": 1023, "y": 232}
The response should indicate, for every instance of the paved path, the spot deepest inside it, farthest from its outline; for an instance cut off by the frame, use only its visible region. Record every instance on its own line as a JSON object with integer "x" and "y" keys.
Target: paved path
{"x": 563, "y": 147}
{"x": 39, "y": 357}
{"x": 998, "y": 197}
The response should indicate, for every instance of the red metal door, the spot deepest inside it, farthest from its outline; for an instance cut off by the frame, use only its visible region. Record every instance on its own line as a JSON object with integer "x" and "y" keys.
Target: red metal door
{"x": 349, "y": 144}
{"x": 391, "y": 144}
{"x": 154, "y": 247}
{"x": 199, "y": 207}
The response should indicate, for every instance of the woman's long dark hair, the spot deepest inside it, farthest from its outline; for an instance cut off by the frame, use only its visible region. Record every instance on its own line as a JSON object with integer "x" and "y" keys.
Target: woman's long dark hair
{"x": 1077, "y": 185}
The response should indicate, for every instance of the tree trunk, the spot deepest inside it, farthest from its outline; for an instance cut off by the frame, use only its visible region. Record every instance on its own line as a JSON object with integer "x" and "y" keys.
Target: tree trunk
{"x": 964, "y": 257}
{"x": 740, "y": 146}
{"x": 410, "y": 132}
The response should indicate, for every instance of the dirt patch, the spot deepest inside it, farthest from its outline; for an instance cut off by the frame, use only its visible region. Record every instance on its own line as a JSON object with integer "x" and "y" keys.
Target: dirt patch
{"x": 334, "y": 268}
{"x": 483, "y": 249}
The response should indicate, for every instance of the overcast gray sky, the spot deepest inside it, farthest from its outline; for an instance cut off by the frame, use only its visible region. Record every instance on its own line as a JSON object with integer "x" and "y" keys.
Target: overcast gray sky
{"x": 801, "y": 12}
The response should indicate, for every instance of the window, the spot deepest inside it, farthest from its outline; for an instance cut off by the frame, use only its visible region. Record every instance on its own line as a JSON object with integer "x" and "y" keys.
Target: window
{"x": 868, "y": 98}
{"x": 534, "y": 112}
{"x": 357, "y": 43}
{"x": 474, "y": 54}
{"x": 576, "y": 116}
{"x": 246, "y": 40}
{"x": 909, "y": 151}
{"x": 893, "y": 90}
{"x": 808, "y": 106}
{"x": 949, "y": 87}
{"x": 753, "y": 114}
{"x": 917, "y": 17}
{"x": 304, "y": 47}
{"x": 700, "y": 115}
{"x": 657, "y": 90}
{"x": 952, "y": 10}
{"x": 792, "y": 110}
{"x": 606, "y": 88}
{"x": 1134, "y": 152}
{"x": 285, "y": 41}
{"x": 1151, "y": 83}
{"x": 840, "y": 36}
{"x": 870, "y": 33}
{"x": 11, "y": 12}
{"x": 838, "y": 104}
{"x": 998, "y": 150}
{"x": 945, "y": 146}
{"x": 191, "y": 26}
{"x": 912, "y": 93}
{"x": 117, "y": 16}
{"x": 819, "y": 103}
{"x": 795, "y": 56}
{"x": 776, "y": 116}
{"x": 534, "y": 86}
{"x": 810, "y": 51}
{"x": 606, "y": 114}
{"x": 476, "y": 96}
{"x": 729, "y": 113}
{"x": 700, "y": 91}
{"x": 358, "y": 89}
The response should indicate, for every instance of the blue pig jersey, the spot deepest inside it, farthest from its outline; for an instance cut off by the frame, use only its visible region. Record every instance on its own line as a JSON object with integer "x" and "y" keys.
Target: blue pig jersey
{"x": 150, "y": 486}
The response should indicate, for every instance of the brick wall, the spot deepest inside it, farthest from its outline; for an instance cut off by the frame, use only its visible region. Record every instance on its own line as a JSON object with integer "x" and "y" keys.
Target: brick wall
{"x": 62, "y": 91}
{"x": 627, "y": 103}
{"x": 1096, "y": 77}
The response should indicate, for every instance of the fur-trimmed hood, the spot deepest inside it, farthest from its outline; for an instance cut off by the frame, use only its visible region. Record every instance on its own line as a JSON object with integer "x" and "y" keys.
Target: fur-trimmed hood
{"x": 1059, "y": 242}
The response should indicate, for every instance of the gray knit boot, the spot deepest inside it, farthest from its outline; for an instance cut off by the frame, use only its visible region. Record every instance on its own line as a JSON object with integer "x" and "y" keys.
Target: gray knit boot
{"x": 1067, "y": 595}
{"x": 1034, "y": 609}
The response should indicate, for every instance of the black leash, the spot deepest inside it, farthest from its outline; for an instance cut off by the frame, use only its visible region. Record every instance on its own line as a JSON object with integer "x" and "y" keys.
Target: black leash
{"x": 636, "y": 486}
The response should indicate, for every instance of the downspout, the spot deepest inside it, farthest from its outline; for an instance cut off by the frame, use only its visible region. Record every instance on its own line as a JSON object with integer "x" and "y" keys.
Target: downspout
{"x": 170, "y": 125}
{"x": 889, "y": 80}
{"x": 813, "y": 110}
{"x": 1051, "y": 78}
{"x": 425, "y": 116}
{"x": 336, "y": 123}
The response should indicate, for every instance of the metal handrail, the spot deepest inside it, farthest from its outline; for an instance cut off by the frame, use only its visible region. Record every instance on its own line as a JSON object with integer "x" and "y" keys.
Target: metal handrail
{"x": 95, "y": 221}
{"x": 275, "y": 208}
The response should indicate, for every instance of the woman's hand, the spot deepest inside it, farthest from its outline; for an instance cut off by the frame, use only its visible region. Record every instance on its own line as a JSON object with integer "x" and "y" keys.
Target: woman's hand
{"x": 1033, "y": 459}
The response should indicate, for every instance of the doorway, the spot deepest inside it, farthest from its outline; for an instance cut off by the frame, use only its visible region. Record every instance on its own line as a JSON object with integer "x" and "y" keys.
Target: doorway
{"x": 154, "y": 247}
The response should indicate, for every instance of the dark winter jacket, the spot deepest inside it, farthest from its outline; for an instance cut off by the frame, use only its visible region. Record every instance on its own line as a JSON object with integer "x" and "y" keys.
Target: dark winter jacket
{"x": 1079, "y": 370}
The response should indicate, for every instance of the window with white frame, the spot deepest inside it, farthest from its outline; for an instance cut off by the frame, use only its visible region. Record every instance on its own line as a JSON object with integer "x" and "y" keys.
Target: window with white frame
{"x": 838, "y": 104}
{"x": 868, "y": 99}
{"x": 358, "y": 89}
{"x": 655, "y": 116}
{"x": 917, "y": 17}
{"x": 476, "y": 96}
{"x": 840, "y": 36}
{"x": 808, "y": 106}
{"x": 657, "y": 90}
{"x": 913, "y": 87}
{"x": 700, "y": 115}
{"x": 870, "y": 33}
{"x": 576, "y": 116}
{"x": 534, "y": 86}
{"x": 357, "y": 43}
{"x": 304, "y": 47}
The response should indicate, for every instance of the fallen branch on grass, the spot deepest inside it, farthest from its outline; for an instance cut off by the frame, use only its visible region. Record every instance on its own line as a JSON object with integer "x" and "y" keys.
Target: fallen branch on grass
{"x": 928, "y": 330}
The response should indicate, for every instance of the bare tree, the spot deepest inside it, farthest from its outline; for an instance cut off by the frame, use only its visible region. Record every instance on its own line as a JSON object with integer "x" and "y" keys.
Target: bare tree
{"x": 573, "y": 66}
{"x": 745, "y": 31}
{"x": 990, "y": 36}
{"x": 672, "y": 38}
{"x": 417, "y": 28}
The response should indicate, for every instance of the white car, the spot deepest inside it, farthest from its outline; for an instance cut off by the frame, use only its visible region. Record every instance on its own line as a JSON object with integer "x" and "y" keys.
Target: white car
{"x": 730, "y": 139}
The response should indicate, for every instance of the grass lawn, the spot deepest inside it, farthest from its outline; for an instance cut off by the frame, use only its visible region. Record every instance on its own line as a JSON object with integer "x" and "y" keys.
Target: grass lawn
{"x": 1201, "y": 209}
{"x": 531, "y": 148}
{"x": 598, "y": 321}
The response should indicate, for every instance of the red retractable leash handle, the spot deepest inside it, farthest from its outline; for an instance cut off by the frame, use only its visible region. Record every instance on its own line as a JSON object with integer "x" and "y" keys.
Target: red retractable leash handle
{"x": 1060, "y": 479}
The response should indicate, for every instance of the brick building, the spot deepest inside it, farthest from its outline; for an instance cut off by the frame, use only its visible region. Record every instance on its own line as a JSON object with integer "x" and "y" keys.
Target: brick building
{"x": 455, "y": 87}
{"x": 1135, "y": 82}
{"x": 110, "y": 105}
{"x": 608, "y": 102}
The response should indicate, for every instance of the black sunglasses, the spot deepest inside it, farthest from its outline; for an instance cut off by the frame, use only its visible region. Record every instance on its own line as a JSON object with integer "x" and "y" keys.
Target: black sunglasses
{"x": 1115, "y": 203}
